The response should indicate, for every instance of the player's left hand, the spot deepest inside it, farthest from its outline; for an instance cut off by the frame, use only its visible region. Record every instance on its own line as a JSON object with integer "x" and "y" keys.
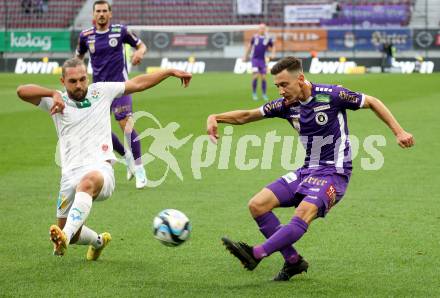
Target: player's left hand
{"x": 58, "y": 104}
{"x": 185, "y": 77}
{"x": 405, "y": 139}
{"x": 137, "y": 58}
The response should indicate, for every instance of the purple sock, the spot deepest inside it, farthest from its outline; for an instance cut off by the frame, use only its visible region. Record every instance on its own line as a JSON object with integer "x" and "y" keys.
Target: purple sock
{"x": 263, "y": 86}
{"x": 254, "y": 86}
{"x": 269, "y": 224}
{"x": 117, "y": 146}
{"x": 285, "y": 236}
{"x": 135, "y": 147}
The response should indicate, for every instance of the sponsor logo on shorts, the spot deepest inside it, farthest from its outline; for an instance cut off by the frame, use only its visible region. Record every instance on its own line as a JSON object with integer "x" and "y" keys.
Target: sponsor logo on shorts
{"x": 122, "y": 109}
{"x": 290, "y": 177}
{"x": 315, "y": 181}
{"x": 62, "y": 201}
{"x": 331, "y": 193}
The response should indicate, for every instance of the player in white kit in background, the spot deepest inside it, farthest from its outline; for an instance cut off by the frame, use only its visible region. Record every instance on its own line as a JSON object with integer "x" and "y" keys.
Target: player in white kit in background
{"x": 82, "y": 122}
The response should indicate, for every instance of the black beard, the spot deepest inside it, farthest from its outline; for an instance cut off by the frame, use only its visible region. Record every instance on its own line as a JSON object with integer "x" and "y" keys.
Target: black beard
{"x": 80, "y": 97}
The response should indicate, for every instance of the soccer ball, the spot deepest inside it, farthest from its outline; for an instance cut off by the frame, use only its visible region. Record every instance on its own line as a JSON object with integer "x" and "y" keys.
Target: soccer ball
{"x": 171, "y": 227}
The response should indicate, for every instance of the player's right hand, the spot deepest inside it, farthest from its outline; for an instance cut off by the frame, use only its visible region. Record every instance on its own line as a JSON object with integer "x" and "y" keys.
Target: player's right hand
{"x": 211, "y": 129}
{"x": 58, "y": 103}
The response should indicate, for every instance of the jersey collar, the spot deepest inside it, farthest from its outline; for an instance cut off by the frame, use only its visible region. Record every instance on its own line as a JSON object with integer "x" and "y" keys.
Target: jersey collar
{"x": 102, "y": 32}
{"x": 310, "y": 97}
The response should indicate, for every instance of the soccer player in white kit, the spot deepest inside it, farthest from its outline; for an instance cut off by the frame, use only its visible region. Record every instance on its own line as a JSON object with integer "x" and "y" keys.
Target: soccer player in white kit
{"x": 82, "y": 121}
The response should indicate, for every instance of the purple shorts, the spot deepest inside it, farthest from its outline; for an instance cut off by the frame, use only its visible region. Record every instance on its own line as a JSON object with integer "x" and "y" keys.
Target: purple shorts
{"x": 258, "y": 65}
{"x": 122, "y": 107}
{"x": 323, "y": 187}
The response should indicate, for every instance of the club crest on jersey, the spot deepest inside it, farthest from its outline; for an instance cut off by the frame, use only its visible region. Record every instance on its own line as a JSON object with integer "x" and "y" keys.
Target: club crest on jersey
{"x": 321, "y": 118}
{"x": 94, "y": 94}
{"x": 113, "y": 42}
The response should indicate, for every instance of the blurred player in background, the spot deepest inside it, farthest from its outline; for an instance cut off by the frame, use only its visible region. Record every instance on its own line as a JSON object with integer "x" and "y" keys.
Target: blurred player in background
{"x": 105, "y": 44}
{"x": 318, "y": 113}
{"x": 257, "y": 48}
{"x": 83, "y": 125}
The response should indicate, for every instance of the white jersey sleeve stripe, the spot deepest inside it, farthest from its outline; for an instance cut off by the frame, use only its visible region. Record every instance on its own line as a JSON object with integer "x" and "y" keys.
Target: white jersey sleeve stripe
{"x": 343, "y": 140}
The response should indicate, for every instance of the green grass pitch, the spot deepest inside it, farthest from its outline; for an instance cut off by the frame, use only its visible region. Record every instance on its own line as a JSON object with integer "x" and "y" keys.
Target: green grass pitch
{"x": 383, "y": 239}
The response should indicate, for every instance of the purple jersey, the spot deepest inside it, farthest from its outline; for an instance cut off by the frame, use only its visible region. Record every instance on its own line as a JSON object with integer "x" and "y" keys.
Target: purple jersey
{"x": 107, "y": 51}
{"x": 260, "y": 44}
{"x": 321, "y": 122}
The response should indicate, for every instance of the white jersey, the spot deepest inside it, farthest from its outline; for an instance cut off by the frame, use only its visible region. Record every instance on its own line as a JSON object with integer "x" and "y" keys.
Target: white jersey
{"x": 84, "y": 128}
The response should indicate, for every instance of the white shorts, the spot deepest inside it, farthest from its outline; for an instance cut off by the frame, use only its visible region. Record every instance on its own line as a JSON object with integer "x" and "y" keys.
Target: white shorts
{"x": 70, "y": 180}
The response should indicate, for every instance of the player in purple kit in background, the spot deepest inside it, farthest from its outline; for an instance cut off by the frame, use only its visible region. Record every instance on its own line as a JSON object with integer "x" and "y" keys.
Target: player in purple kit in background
{"x": 105, "y": 44}
{"x": 318, "y": 113}
{"x": 257, "y": 48}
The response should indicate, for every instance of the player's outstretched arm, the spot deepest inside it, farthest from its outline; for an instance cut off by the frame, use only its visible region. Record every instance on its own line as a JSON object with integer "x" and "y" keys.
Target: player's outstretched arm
{"x": 33, "y": 93}
{"x": 404, "y": 139}
{"x": 233, "y": 117}
{"x": 146, "y": 81}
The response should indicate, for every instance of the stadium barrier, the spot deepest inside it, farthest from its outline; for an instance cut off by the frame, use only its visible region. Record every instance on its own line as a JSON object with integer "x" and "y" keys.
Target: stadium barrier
{"x": 203, "y": 65}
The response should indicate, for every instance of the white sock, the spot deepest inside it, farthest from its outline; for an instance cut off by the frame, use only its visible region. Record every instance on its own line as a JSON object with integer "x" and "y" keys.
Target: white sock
{"x": 78, "y": 214}
{"x": 139, "y": 167}
{"x": 88, "y": 236}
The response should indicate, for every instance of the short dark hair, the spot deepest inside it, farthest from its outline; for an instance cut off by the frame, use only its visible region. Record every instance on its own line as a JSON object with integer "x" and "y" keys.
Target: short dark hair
{"x": 292, "y": 64}
{"x": 72, "y": 62}
{"x": 102, "y": 2}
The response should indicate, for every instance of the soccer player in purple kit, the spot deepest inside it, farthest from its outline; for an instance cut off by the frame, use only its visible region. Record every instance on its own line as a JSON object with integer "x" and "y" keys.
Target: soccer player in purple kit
{"x": 105, "y": 44}
{"x": 318, "y": 113}
{"x": 257, "y": 48}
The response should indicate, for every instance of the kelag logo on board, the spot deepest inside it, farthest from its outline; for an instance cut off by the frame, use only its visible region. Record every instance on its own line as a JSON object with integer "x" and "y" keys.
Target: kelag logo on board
{"x": 35, "y": 41}
{"x": 27, "y": 40}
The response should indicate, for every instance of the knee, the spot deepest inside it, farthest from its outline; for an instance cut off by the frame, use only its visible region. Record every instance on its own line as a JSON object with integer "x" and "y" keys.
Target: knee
{"x": 257, "y": 207}
{"x": 91, "y": 184}
{"x": 86, "y": 185}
